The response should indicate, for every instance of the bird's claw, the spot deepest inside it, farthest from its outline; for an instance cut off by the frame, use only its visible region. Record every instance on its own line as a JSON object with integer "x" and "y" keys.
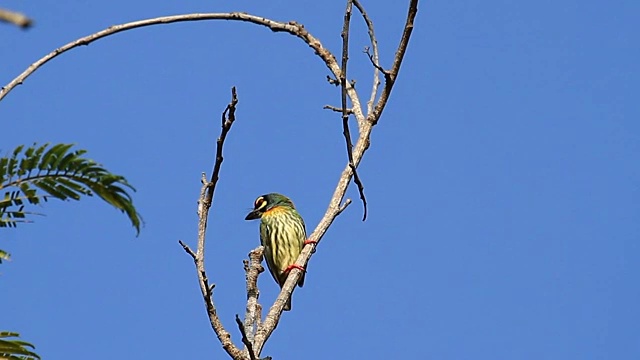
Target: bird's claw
{"x": 294, "y": 266}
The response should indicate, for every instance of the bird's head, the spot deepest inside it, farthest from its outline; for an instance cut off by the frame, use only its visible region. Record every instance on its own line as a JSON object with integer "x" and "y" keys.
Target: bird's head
{"x": 267, "y": 202}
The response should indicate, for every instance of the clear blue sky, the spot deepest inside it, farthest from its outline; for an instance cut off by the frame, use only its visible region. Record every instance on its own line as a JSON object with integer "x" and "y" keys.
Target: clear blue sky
{"x": 502, "y": 180}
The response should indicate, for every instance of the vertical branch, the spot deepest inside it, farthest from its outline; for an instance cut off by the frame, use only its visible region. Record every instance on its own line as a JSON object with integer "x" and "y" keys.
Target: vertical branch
{"x": 204, "y": 204}
{"x": 228, "y": 117}
{"x": 253, "y": 314}
{"x": 374, "y": 58}
{"x": 345, "y": 111}
{"x": 245, "y": 339}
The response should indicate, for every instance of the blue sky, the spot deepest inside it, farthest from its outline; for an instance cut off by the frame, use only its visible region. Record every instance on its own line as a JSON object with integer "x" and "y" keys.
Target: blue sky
{"x": 502, "y": 181}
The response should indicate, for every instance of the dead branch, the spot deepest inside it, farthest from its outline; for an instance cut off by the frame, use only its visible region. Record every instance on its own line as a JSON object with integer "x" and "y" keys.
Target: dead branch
{"x": 345, "y": 113}
{"x": 253, "y": 315}
{"x": 374, "y": 58}
{"x": 15, "y": 18}
{"x": 292, "y": 27}
{"x": 337, "y": 109}
{"x": 204, "y": 204}
{"x": 228, "y": 117}
{"x": 336, "y": 206}
{"x": 375, "y": 65}
{"x": 397, "y": 61}
{"x": 245, "y": 339}
{"x": 273, "y": 317}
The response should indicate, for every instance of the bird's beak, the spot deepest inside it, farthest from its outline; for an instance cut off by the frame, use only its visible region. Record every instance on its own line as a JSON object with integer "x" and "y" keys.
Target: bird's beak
{"x": 255, "y": 214}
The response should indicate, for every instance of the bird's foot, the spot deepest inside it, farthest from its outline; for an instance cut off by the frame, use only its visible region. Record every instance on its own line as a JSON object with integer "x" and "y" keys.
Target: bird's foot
{"x": 309, "y": 241}
{"x": 294, "y": 266}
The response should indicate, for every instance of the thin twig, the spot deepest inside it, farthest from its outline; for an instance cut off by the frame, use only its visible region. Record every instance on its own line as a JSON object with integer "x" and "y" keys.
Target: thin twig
{"x": 15, "y": 18}
{"x": 345, "y": 113}
{"x": 333, "y": 81}
{"x": 245, "y": 340}
{"x": 228, "y": 117}
{"x": 358, "y": 182}
{"x": 373, "y": 57}
{"x": 344, "y": 206}
{"x": 337, "y": 109}
{"x": 204, "y": 204}
{"x": 187, "y": 249}
{"x": 375, "y": 64}
{"x": 397, "y": 61}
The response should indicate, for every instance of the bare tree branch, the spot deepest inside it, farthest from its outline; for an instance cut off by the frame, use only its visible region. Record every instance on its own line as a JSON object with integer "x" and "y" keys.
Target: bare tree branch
{"x": 273, "y": 317}
{"x": 336, "y": 206}
{"x": 373, "y": 57}
{"x": 345, "y": 113}
{"x": 343, "y": 207}
{"x": 15, "y": 18}
{"x": 245, "y": 339}
{"x": 204, "y": 204}
{"x": 291, "y": 27}
{"x": 376, "y": 66}
{"x": 187, "y": 249}
{"x": 228, "y": 117}
{"x": 336, "y": 109}
{"x": 397, "y": 61}
{"x": 253, "y": 315}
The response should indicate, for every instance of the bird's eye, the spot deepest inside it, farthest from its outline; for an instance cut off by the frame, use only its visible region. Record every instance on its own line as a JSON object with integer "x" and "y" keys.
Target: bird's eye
{"x": 260, "y": 203}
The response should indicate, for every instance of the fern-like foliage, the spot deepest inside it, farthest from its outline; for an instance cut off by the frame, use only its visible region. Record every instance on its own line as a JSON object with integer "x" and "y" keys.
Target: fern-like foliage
{"x": 15, "y": 349}
{"x": 34, "y": 174}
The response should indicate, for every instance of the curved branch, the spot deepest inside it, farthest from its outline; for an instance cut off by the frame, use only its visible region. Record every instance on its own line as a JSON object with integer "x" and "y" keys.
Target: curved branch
{"x": 291, "y": 27}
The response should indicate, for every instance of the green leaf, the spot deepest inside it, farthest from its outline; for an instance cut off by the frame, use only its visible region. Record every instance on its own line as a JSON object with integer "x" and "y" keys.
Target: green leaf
{"x": 3, "y": 169}
{"x": 40, "y": 172}
{"x": 31, "y": 159}
{"x": 12, "y": 218}
{"x": 12, "y": 348}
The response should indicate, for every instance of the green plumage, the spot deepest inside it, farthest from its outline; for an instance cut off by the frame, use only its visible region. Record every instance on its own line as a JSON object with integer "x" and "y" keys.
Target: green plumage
{"x": 282, "y": 233}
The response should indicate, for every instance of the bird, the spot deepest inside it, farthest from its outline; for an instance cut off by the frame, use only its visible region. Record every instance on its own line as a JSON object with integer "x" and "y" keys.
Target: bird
{"x": 283, "y": 235}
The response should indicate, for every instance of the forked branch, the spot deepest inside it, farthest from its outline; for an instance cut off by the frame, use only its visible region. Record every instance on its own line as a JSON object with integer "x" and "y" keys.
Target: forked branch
{"x": 390, "y": 79}
{"x": 335, "y": 207}
{"x": 265, "y": 328}
{"x": 374, "y": 58}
